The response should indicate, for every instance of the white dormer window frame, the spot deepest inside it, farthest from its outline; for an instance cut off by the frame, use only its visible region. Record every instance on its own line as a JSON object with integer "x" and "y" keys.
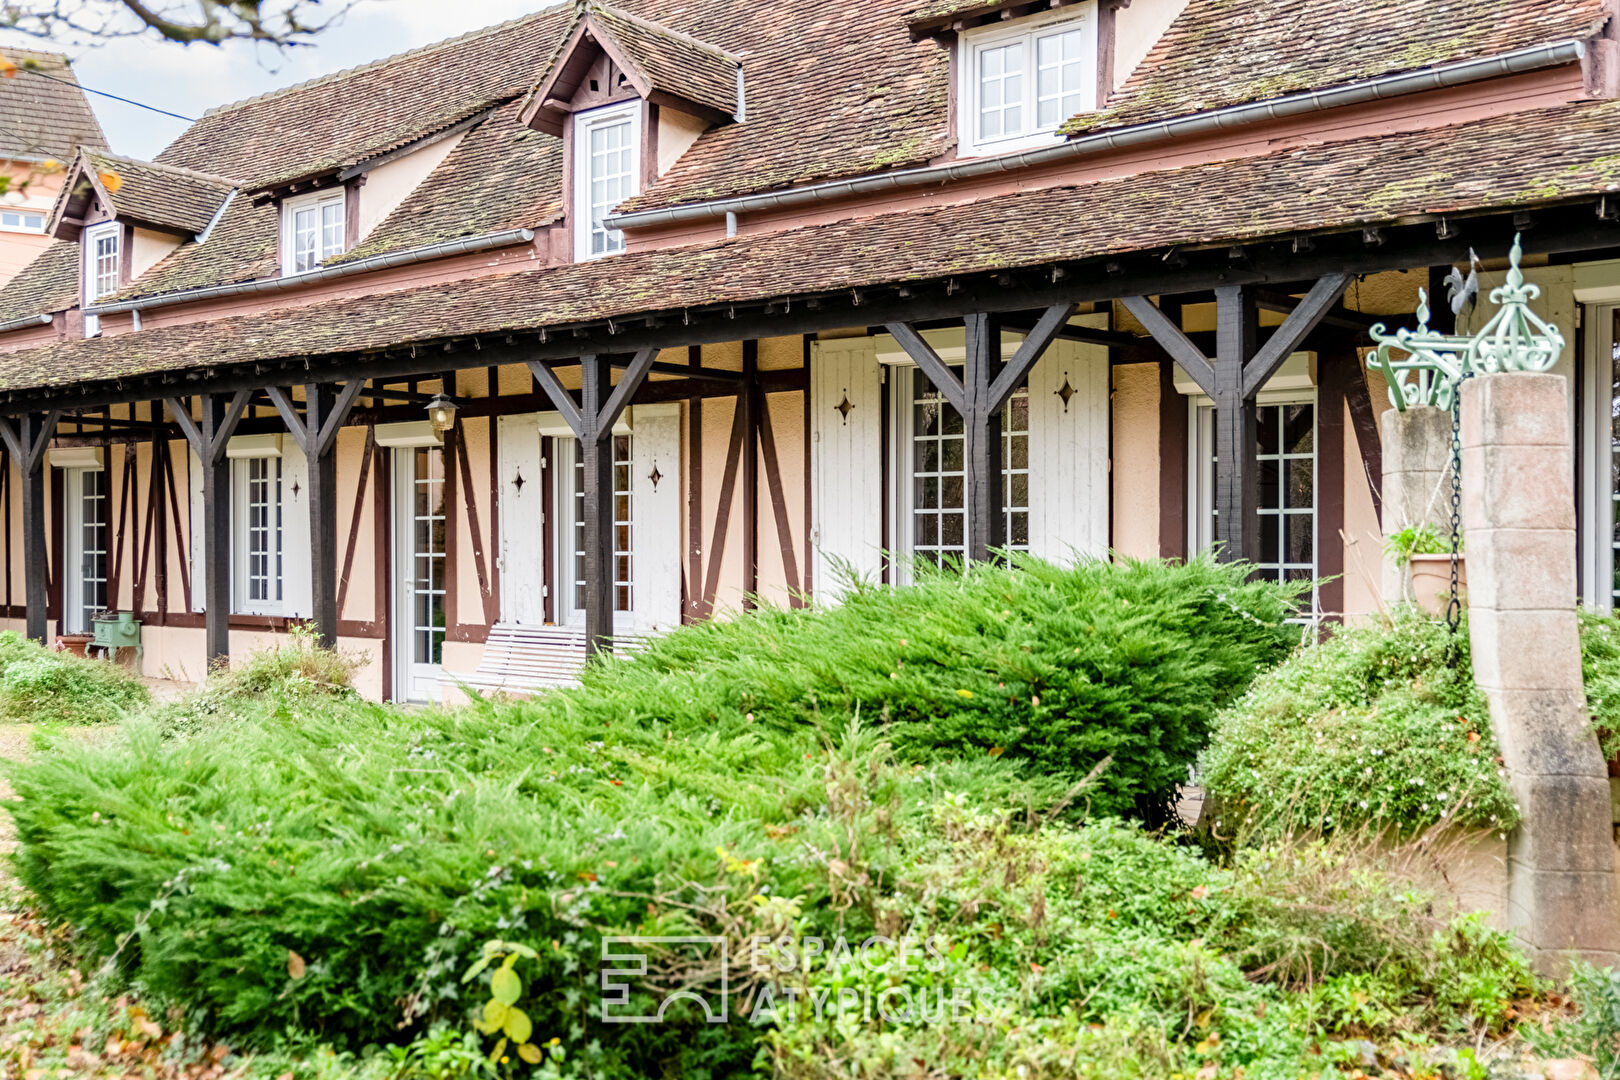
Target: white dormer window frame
{"x": 314, "y": 229}
{"x": 607, "y": 171}
{"x": 103, "y": 263}
{"x": 1019, "y": 81}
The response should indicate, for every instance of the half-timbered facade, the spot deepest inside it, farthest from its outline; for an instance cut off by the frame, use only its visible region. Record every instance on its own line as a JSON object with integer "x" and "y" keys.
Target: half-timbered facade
{"x": 615, "y": 317}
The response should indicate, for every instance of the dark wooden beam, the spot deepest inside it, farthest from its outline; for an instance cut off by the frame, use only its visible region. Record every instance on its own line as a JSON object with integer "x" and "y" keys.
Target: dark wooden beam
{"x": 1030, "y": 350}
{"x": 596, "y": 452}
{"x": 216, "y": 531}
{"x": 1237, "y": 492}
{"x": 26, "y": 438}
{"x": 600, "y": 405}
{"x": 1287, "y": 337}
{"x": 981, "y": 430}
{"x": 1173, "y": 340}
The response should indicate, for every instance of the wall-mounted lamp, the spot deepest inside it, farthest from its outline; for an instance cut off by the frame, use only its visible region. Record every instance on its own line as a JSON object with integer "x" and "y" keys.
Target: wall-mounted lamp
{"x": 442, "y": 413}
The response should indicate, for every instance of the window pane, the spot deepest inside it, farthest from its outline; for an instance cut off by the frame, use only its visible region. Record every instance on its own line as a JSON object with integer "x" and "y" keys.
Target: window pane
{"x": 1060, "y": 76}
{"x": 611, "y": 179}
{"x": 1001, "y": 90}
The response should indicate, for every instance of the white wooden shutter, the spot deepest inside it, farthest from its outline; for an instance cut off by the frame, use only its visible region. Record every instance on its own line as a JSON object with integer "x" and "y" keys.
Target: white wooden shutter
{"x": 1068, "y": 452}
{"x": 655, "y": 514}
{"x": 522, "y": 545}
{"x": 846, "y": 462}
{"x": 297, "y": 578}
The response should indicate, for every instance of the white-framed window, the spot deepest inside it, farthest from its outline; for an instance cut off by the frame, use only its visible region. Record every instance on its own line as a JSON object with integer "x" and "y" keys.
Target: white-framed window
{"x": 313, "y": 230}
{"x": 1285, "y": 453}
{"x": 103, "y": 267}
{"x": 571, "y": 527}
{"x": 258, "y": 586}
{"x": 1019, "y": 81}
{"x": 86, "y": 526}
{"x": 929, "y": 470}
{"x": 26, "y": 221}
{"x": 607, "y": 171}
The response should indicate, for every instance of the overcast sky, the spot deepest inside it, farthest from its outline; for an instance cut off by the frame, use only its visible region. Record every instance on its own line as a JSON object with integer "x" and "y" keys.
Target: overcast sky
{"x": 190, "y": 79}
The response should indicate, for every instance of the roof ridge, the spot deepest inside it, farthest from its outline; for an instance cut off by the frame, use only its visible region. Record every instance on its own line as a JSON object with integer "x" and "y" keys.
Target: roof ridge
{"x": 420, "y": 50}
{"x": 196, "y": 173}
{"x": 668, "y": 30}
{"x": 67, "y": 61}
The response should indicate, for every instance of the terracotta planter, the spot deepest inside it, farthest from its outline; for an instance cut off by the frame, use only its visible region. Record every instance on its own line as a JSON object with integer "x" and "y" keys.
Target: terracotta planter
{"x": 1428, "y": 581}
{"x": 74, "y": 643}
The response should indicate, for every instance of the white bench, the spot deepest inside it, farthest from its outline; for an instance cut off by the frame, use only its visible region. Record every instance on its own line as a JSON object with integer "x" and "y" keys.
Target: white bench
{"x": 521, "y": 659}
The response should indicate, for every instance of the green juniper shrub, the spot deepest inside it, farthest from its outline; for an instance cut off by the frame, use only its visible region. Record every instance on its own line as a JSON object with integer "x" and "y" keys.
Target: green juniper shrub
{"x": 1376, "y": 726}
{"x": 40, "y": 685}
{"x": 386, "y": 849}
{"x": 1055, "y": 667}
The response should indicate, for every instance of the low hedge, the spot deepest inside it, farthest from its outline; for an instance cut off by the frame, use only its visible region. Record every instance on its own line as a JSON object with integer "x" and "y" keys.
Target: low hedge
{"x": 40, "y": 685}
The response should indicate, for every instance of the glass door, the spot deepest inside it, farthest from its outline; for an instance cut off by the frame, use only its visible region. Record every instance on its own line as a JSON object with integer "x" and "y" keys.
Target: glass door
{"x": 85, "y": 584}
{"x": 419, "y": 573}
{"x": 1600, "y": 459}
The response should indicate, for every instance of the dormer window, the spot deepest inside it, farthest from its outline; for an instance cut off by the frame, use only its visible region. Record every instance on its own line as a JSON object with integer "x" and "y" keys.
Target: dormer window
{"x": 1020, "y": 80}
{"x": 103, "y": 263}
{"x": 607, "y": 170}
{"x": 313, "y": 230}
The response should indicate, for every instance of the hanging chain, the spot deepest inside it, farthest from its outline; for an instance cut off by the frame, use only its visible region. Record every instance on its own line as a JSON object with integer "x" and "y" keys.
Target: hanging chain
{"x": 1454, "y": 605}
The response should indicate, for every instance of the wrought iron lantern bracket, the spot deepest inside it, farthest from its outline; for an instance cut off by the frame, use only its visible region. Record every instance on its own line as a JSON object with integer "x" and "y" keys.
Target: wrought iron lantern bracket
{"x": 1424, "y": 367}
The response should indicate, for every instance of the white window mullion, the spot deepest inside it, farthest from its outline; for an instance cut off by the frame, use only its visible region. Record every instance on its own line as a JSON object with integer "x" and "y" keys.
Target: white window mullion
{"x": 258, "y": 573}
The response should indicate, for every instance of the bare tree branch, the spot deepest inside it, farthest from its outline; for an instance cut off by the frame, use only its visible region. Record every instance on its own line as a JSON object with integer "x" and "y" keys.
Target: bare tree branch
{"x": 280, "y": 23}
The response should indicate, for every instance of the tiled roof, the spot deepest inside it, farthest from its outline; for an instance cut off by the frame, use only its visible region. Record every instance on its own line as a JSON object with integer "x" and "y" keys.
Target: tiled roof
{"x": 674, "y": 62}
{"x": 1525, "y": 159}
{"x": 834, "y": 88}
{"x": 181, "y": 199}
{"x": 1229, "y": 52}
{"x": 43, "y": 113}
{"x": 501, "y": 176}
{"x": 354, "y": 115}
{"x": 49, "y": 283}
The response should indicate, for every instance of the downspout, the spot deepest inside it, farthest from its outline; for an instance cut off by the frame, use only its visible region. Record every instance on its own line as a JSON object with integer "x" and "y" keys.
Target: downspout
{"x": 1313, "y": 101}
{"x": 506, "y": 238}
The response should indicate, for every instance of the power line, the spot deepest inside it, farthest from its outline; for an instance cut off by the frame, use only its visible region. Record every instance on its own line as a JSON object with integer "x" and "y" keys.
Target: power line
{"x": 103, "y": 93}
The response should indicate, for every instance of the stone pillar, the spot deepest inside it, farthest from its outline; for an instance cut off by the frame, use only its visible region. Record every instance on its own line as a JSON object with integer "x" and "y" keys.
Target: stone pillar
{"x": 1417, "y": 482}
{"x": 1519, "y": 511}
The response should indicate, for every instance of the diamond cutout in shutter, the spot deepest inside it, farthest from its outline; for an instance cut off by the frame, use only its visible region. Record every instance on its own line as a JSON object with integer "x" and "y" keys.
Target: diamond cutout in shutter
{"x": 295, "y": 489}
{"x": 518, "y": 482}
{"x": 1065, "y": 391}
{"x": 655, "y": 476}
{"x": 845, "y": 407}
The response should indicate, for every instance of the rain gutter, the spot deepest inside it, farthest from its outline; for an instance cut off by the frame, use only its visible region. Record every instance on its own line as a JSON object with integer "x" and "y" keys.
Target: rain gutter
{"x": 470, "y": 245}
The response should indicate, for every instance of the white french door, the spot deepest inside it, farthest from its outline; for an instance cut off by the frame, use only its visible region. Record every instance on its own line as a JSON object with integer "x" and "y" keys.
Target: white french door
{"x": 419, "y": 573}
{"x": 1600, "y": 458}
{"x": 84, "y": 586}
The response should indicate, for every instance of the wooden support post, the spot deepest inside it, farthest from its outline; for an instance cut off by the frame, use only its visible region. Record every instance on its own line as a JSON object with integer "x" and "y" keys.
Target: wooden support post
{"x": 1237, "y": 473}
{"x": 208, "y": 442}
{"x": 596, "y": 453}
{"x": 316, "y": 432}
{"x": 26, "y": 438}
{"x": 216, "y": 560}
{"x": 986, "y": 518}
{"x": 323, "y": 511}
{"x": 1241, "y": 366}
{"x": 752, "y": 402}
{"x": 978, "y": 398}
{"x": 592, "y": 419}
